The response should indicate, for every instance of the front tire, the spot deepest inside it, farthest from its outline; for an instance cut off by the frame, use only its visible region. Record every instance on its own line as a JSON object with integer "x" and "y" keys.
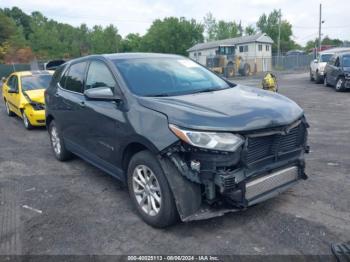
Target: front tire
{"x": 318, "y": 79}
{"x": 311, "y": 76}
{"x": 8, "y": 110}
{"x": 26, "y": 121}
{"x": 57, "y": 143}
{"x": 339, "y": 86}
{"x": 150, "y": 192}
{"x": 325, "y": 82}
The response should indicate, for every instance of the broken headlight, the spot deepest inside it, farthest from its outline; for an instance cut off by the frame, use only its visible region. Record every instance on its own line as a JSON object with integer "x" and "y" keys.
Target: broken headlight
{"x": 209, "y": 140}
{"x": 37, "y": 106}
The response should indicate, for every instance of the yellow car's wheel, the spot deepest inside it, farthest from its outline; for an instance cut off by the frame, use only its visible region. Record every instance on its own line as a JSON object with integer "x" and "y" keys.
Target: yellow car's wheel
{"x": 26, "y": 121}
{"x": 8, "y": 110}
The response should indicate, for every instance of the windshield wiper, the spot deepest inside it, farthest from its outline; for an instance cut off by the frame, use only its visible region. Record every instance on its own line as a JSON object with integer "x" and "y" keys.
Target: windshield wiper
{"x": 159, "y": 95}
{"x": 205, "y": 90}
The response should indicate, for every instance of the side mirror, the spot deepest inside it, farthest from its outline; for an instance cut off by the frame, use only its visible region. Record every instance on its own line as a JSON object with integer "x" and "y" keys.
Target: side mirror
{"x": 3, "y": 79}
{"x": 315, "y": 61}
{"x": 101, "y": 94}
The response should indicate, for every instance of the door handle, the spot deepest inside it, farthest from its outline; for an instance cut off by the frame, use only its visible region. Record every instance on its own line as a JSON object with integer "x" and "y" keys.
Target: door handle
{"x": 57, "y": 95}
{"x": 82, "y": 104}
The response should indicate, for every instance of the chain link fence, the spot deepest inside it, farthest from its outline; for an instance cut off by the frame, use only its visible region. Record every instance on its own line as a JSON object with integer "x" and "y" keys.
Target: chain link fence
{"x": 249, "y": 65}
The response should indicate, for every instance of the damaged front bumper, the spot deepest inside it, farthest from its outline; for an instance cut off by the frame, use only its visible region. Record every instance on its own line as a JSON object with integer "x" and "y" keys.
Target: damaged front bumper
{"x": 207, "y": 183}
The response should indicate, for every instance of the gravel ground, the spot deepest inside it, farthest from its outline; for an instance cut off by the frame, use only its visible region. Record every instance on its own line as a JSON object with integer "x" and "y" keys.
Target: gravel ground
{"x": 48, "y": 207}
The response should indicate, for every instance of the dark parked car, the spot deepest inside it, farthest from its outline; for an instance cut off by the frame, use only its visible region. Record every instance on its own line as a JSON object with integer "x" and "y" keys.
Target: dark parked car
{"x": 337, "y": 72}
{"x": 187, "y": 143}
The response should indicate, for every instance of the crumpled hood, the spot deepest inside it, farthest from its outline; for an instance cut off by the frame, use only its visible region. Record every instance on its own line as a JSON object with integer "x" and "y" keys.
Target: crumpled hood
{"x": 235, "y": 109}
{"x": 36, "y": 95}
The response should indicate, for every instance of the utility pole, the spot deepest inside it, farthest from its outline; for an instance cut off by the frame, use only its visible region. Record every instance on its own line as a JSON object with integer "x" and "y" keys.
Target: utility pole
{"x": 279, "y": 35}
{"x": 319, "y": 31}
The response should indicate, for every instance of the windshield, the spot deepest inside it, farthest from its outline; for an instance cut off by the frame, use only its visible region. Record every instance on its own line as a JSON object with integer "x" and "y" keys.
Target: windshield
{"x": 325, "y": 58}
{"x": 35, "y": 82}
{"x": 167, "y": 76}
{"x": 346, "y": 61}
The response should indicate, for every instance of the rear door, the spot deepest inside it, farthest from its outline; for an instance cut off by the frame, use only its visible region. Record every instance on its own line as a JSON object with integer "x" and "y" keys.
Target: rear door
{"x": 70, "y": 104}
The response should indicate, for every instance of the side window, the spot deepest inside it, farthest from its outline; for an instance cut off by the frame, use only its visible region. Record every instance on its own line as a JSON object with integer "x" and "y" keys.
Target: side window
{"x": 56, "y": 75}
{"x": 13, "y": 83}
{"x": 336, "y": 63}
{"x": 74, "y": 78}
{"x": 99, "y": 76}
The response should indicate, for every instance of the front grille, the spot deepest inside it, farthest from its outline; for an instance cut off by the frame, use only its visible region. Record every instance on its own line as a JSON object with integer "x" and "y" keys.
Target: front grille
{"x": 269, "y": 182}
{"x": 274, "y": 147}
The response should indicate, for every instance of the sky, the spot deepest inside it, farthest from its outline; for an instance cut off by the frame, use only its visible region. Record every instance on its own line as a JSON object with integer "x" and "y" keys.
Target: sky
{"x": 135, "y": 16}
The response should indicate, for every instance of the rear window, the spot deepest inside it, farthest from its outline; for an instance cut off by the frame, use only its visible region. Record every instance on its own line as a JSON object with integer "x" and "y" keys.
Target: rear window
{"x": 35, "y": 82}
{"x": 73, "y": 79}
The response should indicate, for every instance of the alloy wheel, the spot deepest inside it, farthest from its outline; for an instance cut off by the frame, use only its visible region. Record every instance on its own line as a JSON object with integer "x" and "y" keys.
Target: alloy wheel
{"x": 8, "y": 111}
{"x": 25, "y": 120}
{"x": 55, "y": 141}
{"x": 339, "y": 84}
{"x": 146, "y": 190}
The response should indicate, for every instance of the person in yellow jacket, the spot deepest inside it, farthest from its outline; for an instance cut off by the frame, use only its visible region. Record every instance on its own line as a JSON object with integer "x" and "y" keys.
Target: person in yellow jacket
{"x": 269, "y": 82}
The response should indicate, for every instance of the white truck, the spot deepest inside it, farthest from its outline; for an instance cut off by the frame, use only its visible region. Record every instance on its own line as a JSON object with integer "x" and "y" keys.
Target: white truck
{"x": 317, "y": 66}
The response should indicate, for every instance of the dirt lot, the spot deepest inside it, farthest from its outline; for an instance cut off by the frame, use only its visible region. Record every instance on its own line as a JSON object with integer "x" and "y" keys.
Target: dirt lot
{"x": 81, "y": 210}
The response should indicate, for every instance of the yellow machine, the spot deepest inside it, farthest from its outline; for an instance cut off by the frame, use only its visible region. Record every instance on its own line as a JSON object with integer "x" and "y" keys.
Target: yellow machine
{"x": 269, "y": 82}
{"x": 227, "y": 63}
{"x": 23, "y": 94}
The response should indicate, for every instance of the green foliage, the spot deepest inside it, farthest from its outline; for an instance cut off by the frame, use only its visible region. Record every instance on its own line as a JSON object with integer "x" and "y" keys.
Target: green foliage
{"x": 132, "y": 43}
{"x": 172, "y": 35}
{"x": 325, "y": 41}
{"x": 250, "y": 30}
{"x": 21, "y": 33}
{"x": 217, "y": 30}
{"x": 269, "y": 25}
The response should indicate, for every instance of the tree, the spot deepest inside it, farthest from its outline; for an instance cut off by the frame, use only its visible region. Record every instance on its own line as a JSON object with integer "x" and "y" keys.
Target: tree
{"x": 250, "y": 30}
{"x": 105, "y": 40}
{"x": 226, "y": 30}
{"x": 132, "y": 43}
{"x": 217, "y": 30}
{"x": 269, "y": 25}
{"x": 172, "y": 35}
{"x": 310, "y": 45}
{"x": 21, "y": 19}
{"x": 210, "y": 26}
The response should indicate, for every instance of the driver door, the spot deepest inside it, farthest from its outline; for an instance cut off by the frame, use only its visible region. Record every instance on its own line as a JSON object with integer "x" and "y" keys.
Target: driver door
{"x": 105, "y": 121}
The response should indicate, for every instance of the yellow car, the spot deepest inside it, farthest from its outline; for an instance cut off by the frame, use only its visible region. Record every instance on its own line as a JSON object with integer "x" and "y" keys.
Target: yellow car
{"x": 23, "y": 93}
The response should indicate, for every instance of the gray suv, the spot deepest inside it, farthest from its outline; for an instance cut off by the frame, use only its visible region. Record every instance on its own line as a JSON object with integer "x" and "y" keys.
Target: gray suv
{"x": 187, "y": 143}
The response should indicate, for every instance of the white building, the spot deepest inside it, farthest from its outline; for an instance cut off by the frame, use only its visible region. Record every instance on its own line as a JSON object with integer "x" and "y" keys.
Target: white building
{"x": 254, "y": 49}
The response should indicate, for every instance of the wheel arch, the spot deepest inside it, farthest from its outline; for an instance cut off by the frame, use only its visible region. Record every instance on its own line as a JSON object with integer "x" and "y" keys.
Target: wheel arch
{"x": 132, "y": 148}
{"x": 48, "y": 120}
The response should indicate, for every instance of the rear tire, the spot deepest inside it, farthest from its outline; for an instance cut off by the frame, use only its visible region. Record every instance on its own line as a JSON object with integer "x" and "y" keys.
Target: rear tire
{"x": 57, "y": 143}
{"x": 8, "y": 110}
{"x": 150, "y": 192}
{"x": 339, "y": 86}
